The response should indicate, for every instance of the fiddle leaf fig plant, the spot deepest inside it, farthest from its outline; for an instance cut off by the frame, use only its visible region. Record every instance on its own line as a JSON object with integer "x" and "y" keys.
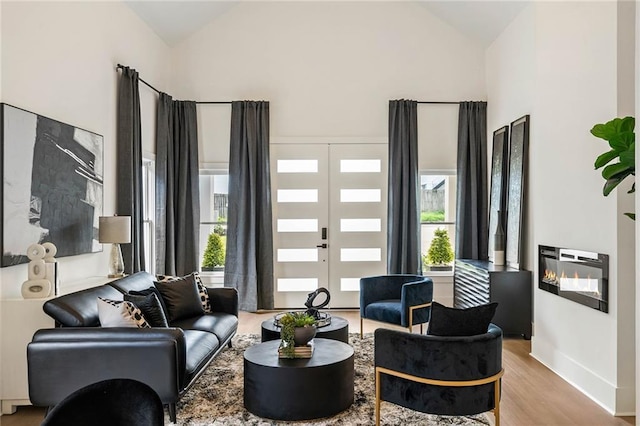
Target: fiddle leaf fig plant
{"x": 620, "y": 161}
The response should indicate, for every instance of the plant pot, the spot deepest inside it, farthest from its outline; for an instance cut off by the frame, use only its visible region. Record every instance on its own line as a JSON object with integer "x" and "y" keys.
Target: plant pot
{"x": 440, "y": 267}
{"x": 302, "y": 335}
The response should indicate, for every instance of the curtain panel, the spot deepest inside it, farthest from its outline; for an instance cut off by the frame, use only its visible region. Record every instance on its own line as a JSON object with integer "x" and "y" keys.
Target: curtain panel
{"x": 403, "y": 226}
{"x": 249, "y": 251}
{"x": 472, "y": 196}
{"x": 177, "y": 187}
{"x": 129, "y": 168}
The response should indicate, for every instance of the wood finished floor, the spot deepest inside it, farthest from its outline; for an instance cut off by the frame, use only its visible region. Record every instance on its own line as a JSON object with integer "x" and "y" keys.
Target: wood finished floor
{"x": 531, "y": 393}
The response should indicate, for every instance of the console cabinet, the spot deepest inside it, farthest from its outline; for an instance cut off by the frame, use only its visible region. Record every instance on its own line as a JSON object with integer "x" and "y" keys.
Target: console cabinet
{"x": 19, "y": 320}
{"x": 477, "y": 282}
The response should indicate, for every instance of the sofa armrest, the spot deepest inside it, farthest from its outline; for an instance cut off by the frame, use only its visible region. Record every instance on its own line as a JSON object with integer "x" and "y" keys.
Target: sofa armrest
{"x": 63, "y": 360}
{"x": 224, "y": 299}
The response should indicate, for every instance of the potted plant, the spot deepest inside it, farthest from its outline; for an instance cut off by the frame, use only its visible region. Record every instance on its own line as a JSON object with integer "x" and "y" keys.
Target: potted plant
{"x": 440, "y": 254}
{"x": 620, "y": 134}
{"x": 214, "y": 253}
{"x": 298, "y": 328}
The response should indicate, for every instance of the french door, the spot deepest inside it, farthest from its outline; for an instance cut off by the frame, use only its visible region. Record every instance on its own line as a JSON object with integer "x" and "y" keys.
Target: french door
{"x": 329, "y": 209}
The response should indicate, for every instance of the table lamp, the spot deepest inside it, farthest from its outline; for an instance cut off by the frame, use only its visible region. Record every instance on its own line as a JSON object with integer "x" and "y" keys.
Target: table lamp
{"x": 115, "y": 230}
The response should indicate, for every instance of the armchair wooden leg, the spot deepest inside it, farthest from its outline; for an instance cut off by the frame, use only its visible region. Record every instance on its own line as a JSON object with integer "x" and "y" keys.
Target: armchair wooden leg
{"x": 377, "y": 397}
{"x": 361, "y": 332}
{"x": 421, "y": 332}
{"x": 496, "y": 410}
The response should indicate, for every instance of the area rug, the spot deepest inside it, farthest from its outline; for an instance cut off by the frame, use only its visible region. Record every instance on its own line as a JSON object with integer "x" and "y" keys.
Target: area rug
{"x": 217, "y": 397}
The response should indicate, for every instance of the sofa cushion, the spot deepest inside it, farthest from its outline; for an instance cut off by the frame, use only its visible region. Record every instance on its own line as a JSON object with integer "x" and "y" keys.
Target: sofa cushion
{"x": 389, "y": 311}
{"x": 114, "y": 313}
{"x": 153, "y": 290}
{"x": 150, "y": 307}
{"x": 201, "y": 346}
{"x": 137, "y": 282}
{"x": 181, "y": 298}
{"x": 222, "y": 325}
{"x": 472, "y": 321}
{"x": 202, "y": 289}
{"x": 79, "y": 309}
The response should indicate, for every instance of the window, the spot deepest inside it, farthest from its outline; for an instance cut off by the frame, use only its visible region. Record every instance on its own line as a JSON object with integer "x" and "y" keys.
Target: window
{"x": 438, "y": 207}
{"x": 214, "y": 196}
{"x": 148, "y": 213}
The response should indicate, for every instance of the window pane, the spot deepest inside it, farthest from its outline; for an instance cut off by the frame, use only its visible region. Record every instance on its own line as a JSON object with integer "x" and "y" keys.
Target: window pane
{"x": 349, "y": 284}
{"x": 360, "y": 255}
{"x": 360, "y": 195}
{"x": 297, "y": 225}
{"x": 297, "y": 284}
{"x": 360, "y": 225}
{"x": 438, "y": 205}
{"x": 360, "y": 166}
{"x": 297, "y": 255}
{"x": 297, "y": 166}
{"x": 297, "y": 195}
{"x": 214, "y": 197}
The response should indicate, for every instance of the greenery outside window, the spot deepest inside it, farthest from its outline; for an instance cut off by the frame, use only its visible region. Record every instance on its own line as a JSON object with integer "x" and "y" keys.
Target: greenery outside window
{"x": 437, "y": 214}
{"x": 214, "y": 196}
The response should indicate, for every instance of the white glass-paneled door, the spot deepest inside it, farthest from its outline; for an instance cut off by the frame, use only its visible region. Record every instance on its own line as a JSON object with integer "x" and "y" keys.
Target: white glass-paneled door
{"x": 329, "y": 210}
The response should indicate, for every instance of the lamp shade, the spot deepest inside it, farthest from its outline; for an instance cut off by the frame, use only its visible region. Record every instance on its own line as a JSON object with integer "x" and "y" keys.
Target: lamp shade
{"x": 114, "y": 229}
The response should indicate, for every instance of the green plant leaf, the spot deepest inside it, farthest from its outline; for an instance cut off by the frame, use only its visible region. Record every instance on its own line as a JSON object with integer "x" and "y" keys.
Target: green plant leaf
{"x": 610, "y": 185}
{"x": 613, "y": 170}
{"x": 603, "y": 159}
{"x": 621, "y": 141}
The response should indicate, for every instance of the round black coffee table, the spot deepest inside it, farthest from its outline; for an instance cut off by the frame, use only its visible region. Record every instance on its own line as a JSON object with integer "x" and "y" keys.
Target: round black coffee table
{"x": 298, "y": 389}
{"x": 337, "y": 330}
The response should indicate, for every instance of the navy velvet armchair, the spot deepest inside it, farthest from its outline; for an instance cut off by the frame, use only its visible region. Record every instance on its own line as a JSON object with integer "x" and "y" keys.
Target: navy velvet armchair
{"x": 443, "y": 375}
{"x": 400, "y": 299}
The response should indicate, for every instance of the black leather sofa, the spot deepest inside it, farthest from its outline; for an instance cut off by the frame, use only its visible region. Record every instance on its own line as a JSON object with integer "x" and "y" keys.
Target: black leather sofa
{"x": 79, "y": 352}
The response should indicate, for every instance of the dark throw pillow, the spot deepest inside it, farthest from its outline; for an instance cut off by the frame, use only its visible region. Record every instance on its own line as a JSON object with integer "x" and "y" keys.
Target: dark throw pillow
{"x": 447, "y": 321}
{"x": 181, "y": 298}
{"x": 202, "y": 289}
{"x": 152, "y": 290}
{"x": 150, "y": 307}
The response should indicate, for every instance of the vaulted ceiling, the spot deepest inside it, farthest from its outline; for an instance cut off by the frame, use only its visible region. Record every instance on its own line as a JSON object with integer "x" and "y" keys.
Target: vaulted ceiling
{"x": 481, "y": 20}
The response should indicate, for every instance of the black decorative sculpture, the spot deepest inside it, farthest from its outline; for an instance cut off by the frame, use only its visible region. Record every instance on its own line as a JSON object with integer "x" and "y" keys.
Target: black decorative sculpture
{"x": 313, "y": 310}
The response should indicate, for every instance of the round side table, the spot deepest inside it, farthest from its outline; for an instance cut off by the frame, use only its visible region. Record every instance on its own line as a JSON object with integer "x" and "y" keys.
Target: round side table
{"x": 337, "y": 330}
{"x": 298, "y": 389}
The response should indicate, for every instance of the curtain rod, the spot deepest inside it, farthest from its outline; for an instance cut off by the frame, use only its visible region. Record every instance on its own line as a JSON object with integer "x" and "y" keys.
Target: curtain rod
{"x": 157, "y": 91}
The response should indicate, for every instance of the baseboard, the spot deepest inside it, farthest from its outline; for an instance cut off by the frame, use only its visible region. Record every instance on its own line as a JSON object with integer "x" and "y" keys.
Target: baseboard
{"x": 586, "y": 381}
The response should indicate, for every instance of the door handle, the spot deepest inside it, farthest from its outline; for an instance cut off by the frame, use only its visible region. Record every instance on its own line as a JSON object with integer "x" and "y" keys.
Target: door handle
{"x": 324, "y": 245}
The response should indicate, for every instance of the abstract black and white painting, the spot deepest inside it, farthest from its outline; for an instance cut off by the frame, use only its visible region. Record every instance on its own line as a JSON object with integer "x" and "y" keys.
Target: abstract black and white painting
{"x": 52, "y": 185}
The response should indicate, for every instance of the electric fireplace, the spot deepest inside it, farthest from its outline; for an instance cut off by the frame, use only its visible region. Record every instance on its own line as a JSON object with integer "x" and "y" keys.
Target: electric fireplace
{"x": 576, "y": 275}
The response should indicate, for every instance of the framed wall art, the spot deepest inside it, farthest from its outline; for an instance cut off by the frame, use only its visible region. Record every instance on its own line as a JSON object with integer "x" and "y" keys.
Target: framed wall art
{"x": 499, "y": 175}
{"x": 518, "y": 162}
{"x": 52, "y": 185}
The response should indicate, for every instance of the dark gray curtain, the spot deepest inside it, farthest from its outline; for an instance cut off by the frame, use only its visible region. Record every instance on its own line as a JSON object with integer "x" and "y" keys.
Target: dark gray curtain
{"x": 472, "y": 197}
{"x": 129, "y": 168}
{"x": 403, "y": 227}
{"x": 249, "y": 253}
{"x": 177, "y": 187}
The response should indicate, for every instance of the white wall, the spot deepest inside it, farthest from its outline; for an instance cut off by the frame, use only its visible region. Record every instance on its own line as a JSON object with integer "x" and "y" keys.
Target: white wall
{"x": 565, "y": 53}
{"x": 59, "y": 60}
{"x": 328, "y": 70}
